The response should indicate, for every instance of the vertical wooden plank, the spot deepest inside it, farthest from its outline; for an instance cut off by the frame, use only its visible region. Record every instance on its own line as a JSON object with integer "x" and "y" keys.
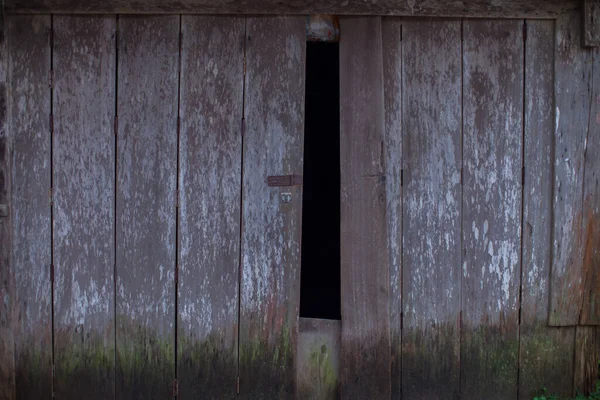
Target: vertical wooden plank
{"x": 318, "y": 359}
{"x": 209, "y": 229}
{"x": 84, "y": 168}
{"x": 590, "y": 312}
{"x": 391, "y": 29}
{"x": 271, "y": 228}
{"x": 587, "y": 355}
{"x": 573, "y": 74}
{"x": 492, "y": 144}
{"x": 546, "y": 353}
{"x": 29, "y": 119}
{"x": 148, "y": 78}
{"x": 365, "y": 346}
{"x": 7, "y": 282}
{"x": 432, "y": 208}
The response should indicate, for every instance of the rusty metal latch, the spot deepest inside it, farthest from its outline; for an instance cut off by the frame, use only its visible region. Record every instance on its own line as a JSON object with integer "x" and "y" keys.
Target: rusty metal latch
{"x": 284, "y": 180}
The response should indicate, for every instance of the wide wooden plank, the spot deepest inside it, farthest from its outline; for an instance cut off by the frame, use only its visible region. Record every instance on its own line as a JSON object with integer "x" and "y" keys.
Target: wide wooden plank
{"x": 271, "y": 227}
{"x": 148, "y": 77}
{"x": 431, "y": 274}
{"x": 430, "y": 8}
{"x": 209, "y": 220}
{"x": 492, "y": 145}
{"x": 7, "y": 282}
{"x": 365, "y": 281}
{"x": 391, "y": 30}
{"x": 84, "y": 180}
{"x": 546, "y": 353}
{"x": 590, "y": 311}
{"x": 318, "y": 371}
{"x": 573, "y": 75}
{"x": 29, "y": 54}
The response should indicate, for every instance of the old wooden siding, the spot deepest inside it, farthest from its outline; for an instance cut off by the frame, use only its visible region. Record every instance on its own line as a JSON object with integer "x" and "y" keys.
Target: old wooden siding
{"x": 84, "y": 178}
{"x": 209, "y": 215}
{"x": 546, "y": 353}
{"x": 7, "y": 282}
{"x": 29, "y": 116}
{"x": 492, "y": 145}
{"x": 573, "y": 74}
{"x": 365, "y": 344}
{"x": 148, "y": 69}
{"x": 318, "y": 371}
{"x": 271, "y": 228}
{"x": 432, "y": 209}
{"x": 391, "y": 31}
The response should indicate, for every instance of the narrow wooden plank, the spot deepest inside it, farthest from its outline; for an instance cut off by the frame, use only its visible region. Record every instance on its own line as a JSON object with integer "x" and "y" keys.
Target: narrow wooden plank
{"x": 210, "y": 185}
{"x": 587, "y": 355}
{"x": 432, "y": 209}
{"x": 573, "y": 74}
{"x": 492, "y": 145}
{"x": 391, "y": 30}
{"x": 318, "y": 359}
{"x": 84, "y": 173}
{"x": 590, "y": 311}
{"x": 365, "y": 350}
{"x": 546, "y": 353}
{"x": 591, "y": 22}
{"x": 7, "y": 282}
{"x": 271, "y": 228}
{"x": 429, "y": 8}
{"x": 148, "y": 77}
{"x": 32, "y": 242}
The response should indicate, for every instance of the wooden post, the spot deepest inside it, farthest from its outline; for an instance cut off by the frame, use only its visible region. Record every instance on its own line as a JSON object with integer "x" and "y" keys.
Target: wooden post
{"x": 7, "y": 370}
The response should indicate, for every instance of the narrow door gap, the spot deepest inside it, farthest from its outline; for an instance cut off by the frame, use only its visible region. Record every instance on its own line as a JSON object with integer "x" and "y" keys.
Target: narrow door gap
{"x": 51, "y": 44}
{"x": 116, "y": 156}
{"x": 320, "y": 253}
{"x": 462, "y": 236}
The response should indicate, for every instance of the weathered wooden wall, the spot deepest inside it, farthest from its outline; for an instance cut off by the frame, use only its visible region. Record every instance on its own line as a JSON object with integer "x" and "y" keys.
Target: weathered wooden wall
{"x": 470, "y": 209}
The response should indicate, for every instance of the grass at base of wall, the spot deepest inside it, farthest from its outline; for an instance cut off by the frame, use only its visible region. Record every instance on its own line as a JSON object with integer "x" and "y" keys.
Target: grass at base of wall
{"x": 595, "y": 395}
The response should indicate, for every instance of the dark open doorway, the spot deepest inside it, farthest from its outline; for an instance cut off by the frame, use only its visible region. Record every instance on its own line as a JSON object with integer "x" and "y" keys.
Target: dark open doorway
{"x": 320, "y": 283}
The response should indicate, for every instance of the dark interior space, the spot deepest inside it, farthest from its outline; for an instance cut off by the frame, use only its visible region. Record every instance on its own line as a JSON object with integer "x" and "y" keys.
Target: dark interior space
{"x": 320, "y": 282}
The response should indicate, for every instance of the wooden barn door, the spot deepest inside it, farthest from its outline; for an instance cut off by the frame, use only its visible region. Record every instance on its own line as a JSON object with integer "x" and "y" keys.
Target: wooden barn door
{"x": 271, "y": 214}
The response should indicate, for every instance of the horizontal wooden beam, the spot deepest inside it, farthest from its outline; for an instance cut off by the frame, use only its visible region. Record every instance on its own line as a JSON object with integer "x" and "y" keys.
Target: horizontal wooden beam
{"x": 421, "y": 8}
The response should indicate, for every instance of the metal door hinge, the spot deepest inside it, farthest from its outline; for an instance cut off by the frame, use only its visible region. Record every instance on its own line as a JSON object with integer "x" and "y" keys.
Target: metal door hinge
{"x": 237, "y": 385}
{"x": 52, "y": 278}
{"x": 177, "y": 198}
{"x": 116, "y": 125}
{"x": 51, "y": 78}
{"x": 175, "y": 388}
{"x": 284, "y": 180}
{"x": 51, "y": 123}
{"x": 50, "y": 196}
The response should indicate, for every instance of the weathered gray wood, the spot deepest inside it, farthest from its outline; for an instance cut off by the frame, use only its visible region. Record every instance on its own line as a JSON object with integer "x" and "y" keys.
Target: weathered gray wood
{"x": 422, "y": 8}
{"x": 84, "y": 179}
{"x": 29, "y": 121}
{"x": 365, "y": 281}
{"x": 546, "y": 353}
{"x": 590, "y": 311}
{"x": 209, "y": 225}
{"x": 573, "y": 75}
{"x": 391, "y": 30}
{"x": 587, "y": 355}
{"x": 7, "y": 282}
{"x": 492, "y": 145}
{"x": 318, "y": 373}
{"x": 271, "y": 228}
{"x": 431, "y": 273}
{"x": 591, "y": 22}
{"x": 148, "y": 77}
